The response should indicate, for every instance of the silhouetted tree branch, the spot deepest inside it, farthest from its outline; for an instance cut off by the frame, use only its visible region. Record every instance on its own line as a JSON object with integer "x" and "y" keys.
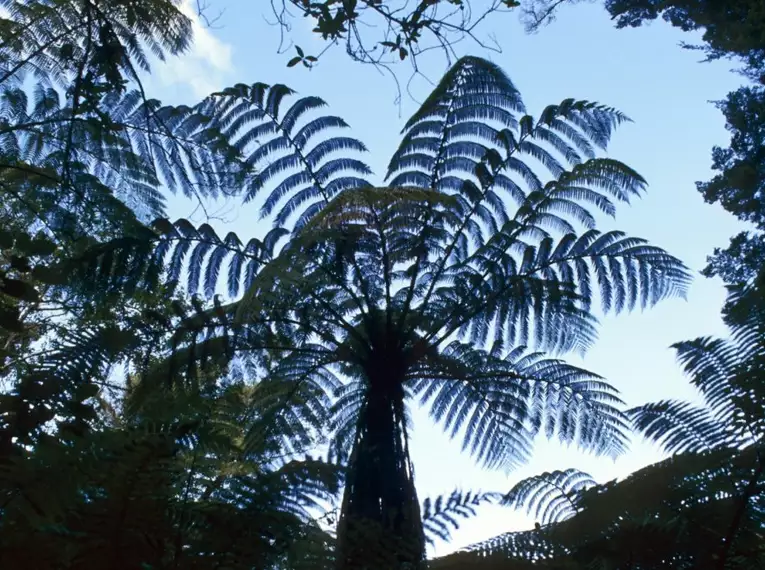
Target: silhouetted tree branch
{"x": 382, "y": 33}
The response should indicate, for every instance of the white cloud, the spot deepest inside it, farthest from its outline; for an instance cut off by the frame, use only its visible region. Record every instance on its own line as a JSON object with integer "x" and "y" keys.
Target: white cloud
{"x": 204, "y": 68}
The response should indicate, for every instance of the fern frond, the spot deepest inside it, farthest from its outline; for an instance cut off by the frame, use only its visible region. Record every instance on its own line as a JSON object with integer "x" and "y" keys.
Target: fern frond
{"x": 499, "y": 405}
{"x": 552, "y": 497}
{"x": 440, "y": 516}
{"x": 172, "y": 251}
{"x": 680, "y": 427}
{"x": 293, "y": 153}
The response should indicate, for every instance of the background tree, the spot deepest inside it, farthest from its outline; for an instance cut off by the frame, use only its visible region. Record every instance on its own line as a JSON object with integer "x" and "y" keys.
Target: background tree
{"x": 730, "y": 30}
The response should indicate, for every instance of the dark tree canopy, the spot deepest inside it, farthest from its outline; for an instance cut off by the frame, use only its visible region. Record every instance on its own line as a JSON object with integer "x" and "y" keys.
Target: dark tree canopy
{"x": 732, "y": 29}
{"x": 674, "y": 514}
{"x": 739, "y": 186}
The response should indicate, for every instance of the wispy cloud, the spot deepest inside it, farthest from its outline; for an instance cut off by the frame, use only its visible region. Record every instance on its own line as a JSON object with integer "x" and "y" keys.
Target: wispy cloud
{"x": 205, "y": 68}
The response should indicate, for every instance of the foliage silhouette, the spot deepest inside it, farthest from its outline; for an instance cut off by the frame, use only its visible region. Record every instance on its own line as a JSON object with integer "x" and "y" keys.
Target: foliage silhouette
{"x": 179, "y": 475}
{"x": 552, "y": 496}
{"x": 703, "y": 508}
{"x": 359, "y": 301}
{"x": 483, "y": 241}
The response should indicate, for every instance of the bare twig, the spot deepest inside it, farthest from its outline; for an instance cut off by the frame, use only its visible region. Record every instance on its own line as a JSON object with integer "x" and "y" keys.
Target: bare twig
{"x": 203, "y": 14}
{"x": 384, "y": 33}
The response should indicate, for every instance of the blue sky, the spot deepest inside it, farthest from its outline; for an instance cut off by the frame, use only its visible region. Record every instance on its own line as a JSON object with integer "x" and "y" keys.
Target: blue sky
{"x": 642, "y": 72}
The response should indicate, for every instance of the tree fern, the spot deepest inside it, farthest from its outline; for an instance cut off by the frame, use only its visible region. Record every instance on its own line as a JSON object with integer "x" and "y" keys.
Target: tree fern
{"x": 482, "y": 242}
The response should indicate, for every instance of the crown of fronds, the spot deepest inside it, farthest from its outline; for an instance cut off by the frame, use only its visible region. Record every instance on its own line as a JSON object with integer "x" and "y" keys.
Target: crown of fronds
{"x": 485, "y": 232}
{"x": 508, "y": 237}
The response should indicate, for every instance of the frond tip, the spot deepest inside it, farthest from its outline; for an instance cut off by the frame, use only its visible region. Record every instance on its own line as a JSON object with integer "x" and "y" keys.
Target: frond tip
{"x": 680, "y": 427}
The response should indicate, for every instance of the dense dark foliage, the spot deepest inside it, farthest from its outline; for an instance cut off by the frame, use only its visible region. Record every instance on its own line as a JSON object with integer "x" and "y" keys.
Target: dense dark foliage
{"x": 680, "y": 513}
{"x": 192, "y": 476}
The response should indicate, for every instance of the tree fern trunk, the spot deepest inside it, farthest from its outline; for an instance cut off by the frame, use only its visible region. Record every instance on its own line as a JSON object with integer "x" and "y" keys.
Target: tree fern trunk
{"x": 380, "y": 524}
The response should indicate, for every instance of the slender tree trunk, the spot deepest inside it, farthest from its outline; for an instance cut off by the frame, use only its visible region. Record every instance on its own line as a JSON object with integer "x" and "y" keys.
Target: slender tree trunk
{"x": 380, "y": 525}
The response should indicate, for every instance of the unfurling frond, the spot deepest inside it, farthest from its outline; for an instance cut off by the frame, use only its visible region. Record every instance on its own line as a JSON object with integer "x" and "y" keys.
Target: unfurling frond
{"x": 552, "y": 497}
